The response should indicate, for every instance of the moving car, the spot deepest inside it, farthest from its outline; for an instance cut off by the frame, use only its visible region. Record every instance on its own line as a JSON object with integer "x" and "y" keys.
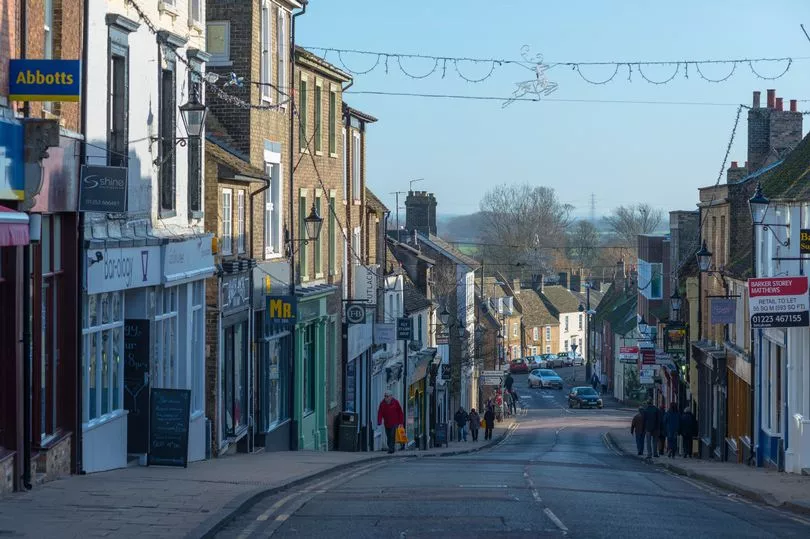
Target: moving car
{"x": 584, "y": 396}
{"x": 545, "y": 378}
{"x": 518, "y": 366}
{"x": 579, "y": 360}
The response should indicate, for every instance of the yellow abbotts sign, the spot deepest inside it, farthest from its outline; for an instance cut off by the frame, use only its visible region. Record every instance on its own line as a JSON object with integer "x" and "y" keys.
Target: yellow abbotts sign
{"x": 44, "y": 80}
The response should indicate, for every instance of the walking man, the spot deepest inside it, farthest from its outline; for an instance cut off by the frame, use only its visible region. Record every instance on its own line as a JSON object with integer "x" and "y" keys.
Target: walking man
{"x": 637, "y": 429}
{"x": 489, "y": 420}
{"x": 390, "y": 415}
{"x": 651, "y": 426}
{"x": 461, "y": 421}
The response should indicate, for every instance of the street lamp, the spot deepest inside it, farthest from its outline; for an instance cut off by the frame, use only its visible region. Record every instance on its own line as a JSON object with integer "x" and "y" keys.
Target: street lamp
{"x": 444, "y": 316}
{"x": 675, "y": 301}
{"x": 704, "y": 258}
{"x": 643, "y": 327}
{"x": 193, "y": 114}
{"x": 313, "y": 223}
{"x": 758, "y": 204}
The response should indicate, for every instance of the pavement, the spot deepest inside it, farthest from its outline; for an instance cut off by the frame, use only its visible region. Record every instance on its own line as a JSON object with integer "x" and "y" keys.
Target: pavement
{"x": 194, "y": 501}
{"x": 777, "y": 489}
{"x": 552, "y": 476}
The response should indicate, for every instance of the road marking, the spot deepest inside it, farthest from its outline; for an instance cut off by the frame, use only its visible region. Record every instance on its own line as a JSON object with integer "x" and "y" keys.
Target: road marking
{"x": 272, "y": 508}
{"x": 282, "y": 517}
{"x": 557, "y": 522}
{"x": 483, "y": 486}
{"x": 536, "y": 496}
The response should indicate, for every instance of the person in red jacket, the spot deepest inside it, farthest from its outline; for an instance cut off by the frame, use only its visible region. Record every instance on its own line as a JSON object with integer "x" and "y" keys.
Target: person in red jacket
{"x": 390, "y": 413}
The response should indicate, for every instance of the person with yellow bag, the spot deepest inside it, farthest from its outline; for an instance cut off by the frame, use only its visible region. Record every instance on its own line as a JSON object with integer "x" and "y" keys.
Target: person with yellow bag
{"x": 391, "y": 416}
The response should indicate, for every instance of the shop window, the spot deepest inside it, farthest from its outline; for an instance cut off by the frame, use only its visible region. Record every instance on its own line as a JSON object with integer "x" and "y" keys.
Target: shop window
{"x": 197, "y": 289}
{"x": 167, "y": 128}
{"x": 164, "y": 372}
{"x": 273, "y": 376}
{"x": 308, "y": 367}
{"x": 102, "y": 371}
{"x": 234, "y": 380}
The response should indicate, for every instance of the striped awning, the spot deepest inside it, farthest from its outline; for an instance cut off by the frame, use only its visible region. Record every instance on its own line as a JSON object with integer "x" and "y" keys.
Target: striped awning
{"x": 13, "y": 227}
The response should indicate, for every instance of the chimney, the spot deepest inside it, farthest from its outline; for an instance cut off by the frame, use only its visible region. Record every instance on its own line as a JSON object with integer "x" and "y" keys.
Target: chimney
{"x": 516, "y": 285}
{"x": 734, "y": 164}
{"x": 756, "y": 99}
{"x": 772, "y": 132}
{"x": 779, "y": 103}
{"x": 792, "y": 105}
{"x": 563, "y": 275}
{"x": 420, "y": 212}
{"x": 771, "y": 98}
{"x": 618, "y": 274}
{"x": 735, "y": 172}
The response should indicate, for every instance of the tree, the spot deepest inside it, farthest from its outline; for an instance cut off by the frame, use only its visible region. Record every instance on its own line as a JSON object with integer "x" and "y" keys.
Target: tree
{"x": 583, "y": 241}
{"x": 627, "y": 222}
{"x": 521, "y": 223}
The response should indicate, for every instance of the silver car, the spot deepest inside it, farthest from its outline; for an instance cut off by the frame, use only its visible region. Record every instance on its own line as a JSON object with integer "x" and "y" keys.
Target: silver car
{"x": 543, "y": 378}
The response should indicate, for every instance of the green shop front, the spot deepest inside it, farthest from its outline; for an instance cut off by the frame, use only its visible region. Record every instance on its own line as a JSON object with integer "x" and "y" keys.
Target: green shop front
{"x": 309, "y": 379}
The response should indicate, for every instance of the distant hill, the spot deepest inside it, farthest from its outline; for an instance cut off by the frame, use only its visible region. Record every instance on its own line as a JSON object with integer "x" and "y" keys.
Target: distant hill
{"x": 460, "y": 227}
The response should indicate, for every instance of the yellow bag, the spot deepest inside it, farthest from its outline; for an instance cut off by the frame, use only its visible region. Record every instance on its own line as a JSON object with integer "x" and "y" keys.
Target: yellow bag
{"x": 402, "y": 438}
{"x": 483, "y": 423}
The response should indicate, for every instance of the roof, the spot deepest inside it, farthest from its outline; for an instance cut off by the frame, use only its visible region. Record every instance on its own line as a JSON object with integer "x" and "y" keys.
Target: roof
{"x": 492, "y": 289}
{"x": 449, "y": 250}
{"x": 595, "y": 297}
{"x": 559, "y": 299}
{"x": 414, "y": 299}
{"x": 374, "y": 203}
{"x": 310, "y": 60}
{"x": 535, "y": 312}
{"x": 789, "y": 181}
{"x": 235, "y": 167}
{"x": 368, "y": 118}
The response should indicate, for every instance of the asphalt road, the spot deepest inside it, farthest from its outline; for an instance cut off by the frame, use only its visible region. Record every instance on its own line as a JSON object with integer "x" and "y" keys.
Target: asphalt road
{"x": 552, "y": 477}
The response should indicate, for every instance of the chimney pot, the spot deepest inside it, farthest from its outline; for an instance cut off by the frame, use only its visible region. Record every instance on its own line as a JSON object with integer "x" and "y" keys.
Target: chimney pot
{"x": 792, "y": 105}
{"x": 771, "y": 98}
{"x": 779, "y": 103}
{"x": 757, "y": 93}
{"x": 734, "y": 164}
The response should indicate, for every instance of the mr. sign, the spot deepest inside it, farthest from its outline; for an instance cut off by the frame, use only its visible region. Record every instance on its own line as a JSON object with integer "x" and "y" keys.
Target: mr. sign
{"x": 281, "y": 310}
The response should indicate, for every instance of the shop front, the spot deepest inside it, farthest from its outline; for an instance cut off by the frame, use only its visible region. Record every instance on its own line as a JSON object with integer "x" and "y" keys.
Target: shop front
{"x": 419, "y": 399}
{"x": 357, "y": 342}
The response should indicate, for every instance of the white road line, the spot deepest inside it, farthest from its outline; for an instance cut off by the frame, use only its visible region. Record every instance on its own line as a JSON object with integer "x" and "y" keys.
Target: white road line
{"x": 557, "y": 522}
{"x": 536, "y": 496}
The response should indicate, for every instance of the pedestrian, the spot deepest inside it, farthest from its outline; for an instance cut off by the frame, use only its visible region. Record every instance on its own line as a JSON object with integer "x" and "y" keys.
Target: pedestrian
{"x": 662, "y": 431}
{"x": 688, "y": 431}
{"x": 672, "y": 422}
{"x": 390, "y": 415}
{"x": 489, "y": 422}
{"x": 462, "y": 417}
{"x": 515, "y": 400}
{"x": 651, "y": 429}
{"x": 604, "y": 382}
{"x": 637, "y": 429}
{"x": 595, "y": 381}
{"x": 475, "y": 424}
{"x": 508, "y": 381}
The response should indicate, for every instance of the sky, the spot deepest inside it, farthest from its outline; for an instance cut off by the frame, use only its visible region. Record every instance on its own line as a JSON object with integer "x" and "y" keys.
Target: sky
{"x": 621, "y": 153}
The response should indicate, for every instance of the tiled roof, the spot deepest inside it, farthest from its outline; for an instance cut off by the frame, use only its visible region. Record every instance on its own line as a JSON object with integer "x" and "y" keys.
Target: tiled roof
{"x": 789, "y": 180}
{"x": 535, "y": 312}
{"x": 595, "y": 297}
{"x": 492, "y": 289}
{"x": 560, "y": 299}
{"x": 451, "y": 251}
{"x": 374, "y": 203}
{"x": 414, "y": 299}
{"x": 232, "y": 160}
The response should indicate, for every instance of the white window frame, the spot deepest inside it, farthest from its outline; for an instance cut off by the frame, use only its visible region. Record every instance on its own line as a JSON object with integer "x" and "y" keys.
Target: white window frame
{"x": 345, "y": 276}
{"x": 273, "y": 210}
{"x": 317, "y": 244}
{"x": 100, "y": 329}
{"x": 515, "y": 329}
{"x": 317, "y": 117}
{"x": 356, "y": 246}
{"x": 332, "y": 122}
{"x": 223, "y": 58}
{"x": 548, "y": 349}
{"x": 265, "y": 51}
{"x": 536, "y": 333}
{"x": 331, "y": 248}
{"x": 165, "y": 368}
{"x": 548, "y": 333}
{"x": 356, "y": 168}
{"x": 240, "y": 221}
{"x": 227, "y": 222}
{"x": 281, "y": 51}
{"x": 196, "y": 292}
{"x": 196, "y": 16}
{"x": 345, "y": 169}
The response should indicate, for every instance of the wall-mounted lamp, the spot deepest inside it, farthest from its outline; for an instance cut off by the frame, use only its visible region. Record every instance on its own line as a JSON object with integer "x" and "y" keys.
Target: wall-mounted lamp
{"x": 193, "y": 115}
{"x": 758, "y": 205}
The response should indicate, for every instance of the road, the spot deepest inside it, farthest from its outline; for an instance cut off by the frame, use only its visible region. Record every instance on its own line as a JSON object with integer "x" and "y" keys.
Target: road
{"x": 551, "y": 477}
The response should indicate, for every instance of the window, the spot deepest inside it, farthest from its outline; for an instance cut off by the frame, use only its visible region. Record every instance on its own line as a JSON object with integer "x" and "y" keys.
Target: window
{"x": 118, "y": 98}
{"x": 317, "y": 243}
{"x": 195, "y": 153}
{"x": 168, "y": 126}
{"x": 102, "y": 370}
{"x": 580, "y": 344}
{"x": 227, "y": 198}
{"x": 303, "y": 142}
{"x": 281, "y": 51}
{"x": 356, "y": 166}
{"x": 345, "y": 274}
{"x": 273, "y": 209}
{"x": 164, "y": 371}
{"x": 234, "y": 380}
{"x": 303, "y": 266}
{"x": 332, "y": 231}
{"x": 334, "y": 358}
{"x": 273, "y": 376}
{"x": 514, "y": 330}
{"x": 419, "y": 330}
{"x": 195, "y": 12}
{"x": 548, "y": 333}
{"x": 240, "y": 221}
{"x": 566, "y": 322}
{"x": 265, "y": 61}
{"x": 218, "y": 42}
{"x": 536, "y": 334}
{"x": 308, "y": 363}
{"x": 47, "y": 51}
{"x": 534, "y": 350}
{"x": 197, "y": 290}
{"x": 548, "y": 349}
{"x": 650, "y": 281}
{"x": 317, "y": 110}
{"x": 356, "y": 245}
{"x": 580, "y": 321}
{"x": 332, "y": 123}
{"x": 345, "y": 169}
{"x": 566, "y": 346}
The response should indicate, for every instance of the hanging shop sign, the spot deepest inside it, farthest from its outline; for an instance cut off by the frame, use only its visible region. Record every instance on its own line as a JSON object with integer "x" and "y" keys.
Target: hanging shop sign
{"x": 778, "y": 302}
{"x": 122, "y": 268}
{"x": 385, "y": 333}
{"x": 365, "y": 283}
{"x": 675, "y": 340}
{"x": 44, "y": 80}
{"x": 404, "y": 328}
{"x": 235, "y": 290}
{"x": 804, "y": 241}
{"x": 282, "y": 310}
{"x": 355, "y": 314}
{"x": 103, "y": 189}
{"x": 628, "y": 354}
{"x": 12, "y": 178}
{"x": 723, "y": 310}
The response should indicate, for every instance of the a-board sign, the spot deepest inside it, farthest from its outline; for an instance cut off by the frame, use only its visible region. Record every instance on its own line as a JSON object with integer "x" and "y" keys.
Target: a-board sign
{"x": 441, "y": 435}
{"x": 168, "y": 427}
{"x": 136, "y": 384}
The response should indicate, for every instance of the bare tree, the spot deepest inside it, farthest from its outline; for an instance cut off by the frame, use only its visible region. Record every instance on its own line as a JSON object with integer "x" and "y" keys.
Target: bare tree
{"x": 521, "y": 223}
{"x": 444, "y": 283}
{"x": 627, "y": 222}
{"x": 583, "y": 243}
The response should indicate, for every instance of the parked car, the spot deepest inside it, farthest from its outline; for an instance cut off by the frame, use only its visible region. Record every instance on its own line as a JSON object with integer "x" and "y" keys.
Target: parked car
{"x": 579, "y": 360}
{"x": 584, "y": 396}
{"x": 545, "y": 378}
{"x": 567, "y": 360}
{"x": 517, "y": 366}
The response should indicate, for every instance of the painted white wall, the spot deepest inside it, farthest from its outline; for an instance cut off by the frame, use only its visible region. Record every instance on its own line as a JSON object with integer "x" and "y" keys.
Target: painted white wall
{"x": 573, "y": 332}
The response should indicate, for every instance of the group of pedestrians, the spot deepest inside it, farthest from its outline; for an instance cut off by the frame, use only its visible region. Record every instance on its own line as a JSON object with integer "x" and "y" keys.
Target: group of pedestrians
{"x": 661, "y": 428}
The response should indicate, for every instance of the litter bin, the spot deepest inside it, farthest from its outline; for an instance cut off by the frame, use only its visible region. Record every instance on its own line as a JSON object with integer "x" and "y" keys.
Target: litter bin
{"x": 347, "y": 431}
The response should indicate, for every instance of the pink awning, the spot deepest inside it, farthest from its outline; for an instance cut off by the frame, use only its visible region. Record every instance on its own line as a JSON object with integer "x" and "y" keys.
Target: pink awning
{"x": 13, "y": 227}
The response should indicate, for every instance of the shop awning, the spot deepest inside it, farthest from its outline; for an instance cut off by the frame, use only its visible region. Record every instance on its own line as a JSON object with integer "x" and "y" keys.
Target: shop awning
{"x": 13, "y": 227}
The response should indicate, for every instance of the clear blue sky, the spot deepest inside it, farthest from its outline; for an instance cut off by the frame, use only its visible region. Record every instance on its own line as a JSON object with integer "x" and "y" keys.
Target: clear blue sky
{"x": 622, "y": 153}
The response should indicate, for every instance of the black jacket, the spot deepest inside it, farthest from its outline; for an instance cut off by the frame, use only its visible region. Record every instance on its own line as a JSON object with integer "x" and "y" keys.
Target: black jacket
{"x": 651, "y": 423}
{"x": 508, "y": 382}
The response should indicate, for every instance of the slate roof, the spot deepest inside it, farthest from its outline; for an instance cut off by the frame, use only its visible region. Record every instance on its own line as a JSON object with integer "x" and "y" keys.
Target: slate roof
{"x": 414, "y": 299}
{"x": 374, "y": 203}
{"x": 596, "y": 297}
{"x": 789, "y": 180}
{"x": 535, "y": 312}
{"x": 451, "y": 251}
{"x": 559, "y": 299}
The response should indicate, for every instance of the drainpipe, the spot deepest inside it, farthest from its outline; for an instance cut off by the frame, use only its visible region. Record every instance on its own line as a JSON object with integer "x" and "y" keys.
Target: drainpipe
{"x": 753, "y": 412}
{"x": 291, "y": 210}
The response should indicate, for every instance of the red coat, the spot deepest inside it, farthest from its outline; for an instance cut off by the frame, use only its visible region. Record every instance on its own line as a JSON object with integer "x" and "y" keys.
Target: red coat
{"x": 391, "y": 414}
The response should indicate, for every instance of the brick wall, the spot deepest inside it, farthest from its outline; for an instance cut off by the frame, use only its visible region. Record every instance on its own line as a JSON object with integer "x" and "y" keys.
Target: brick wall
{"x": 420, "y": 212}
{"x": 9, "y": 24}
{"x": 772, "y": 131}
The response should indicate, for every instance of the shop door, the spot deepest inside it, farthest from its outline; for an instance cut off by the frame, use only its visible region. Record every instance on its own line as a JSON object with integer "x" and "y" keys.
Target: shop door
{"x": 136, "y": 384}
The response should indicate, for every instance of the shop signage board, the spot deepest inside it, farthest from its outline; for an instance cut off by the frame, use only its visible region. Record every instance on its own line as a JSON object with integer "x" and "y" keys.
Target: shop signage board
{"x": 12, "y": 177}
{"x": 103, "y": 189}
{"x": 646, "y": 375}
{"x": 778, "y": 302}
{"x": 282, "y": 310}
{"x": 804, "y": 241}
{"x": 168, "y": 427}
{"x": 365, "y": 283}
{"x": 675, "y": 340}
{"x": 648, "y": 356}
{"x": 404, "y": 328}
{"x": 136, "y": 384}
{"x": 385, "y": 333}
{"x": 44, "y": 80}
{"x": 188, "y": 259}
{"x": 723, "y": 310}
{"x": 235, "y": 290}
{"x": 355, "y": 314}
{"x": 491, "y": 378}
{"x": 628, "y": 354}
{"x": 122, "y": 268}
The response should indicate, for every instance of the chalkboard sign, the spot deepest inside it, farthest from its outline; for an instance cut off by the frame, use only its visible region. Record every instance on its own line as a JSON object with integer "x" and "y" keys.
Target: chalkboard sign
{"x": 136, "y": 384}
{"x": 168, "y": 427}
{"x": 440, "y": 437}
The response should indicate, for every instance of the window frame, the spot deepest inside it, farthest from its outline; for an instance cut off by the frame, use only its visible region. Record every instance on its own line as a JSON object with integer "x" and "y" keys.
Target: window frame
{"x": 356, "y": 167}
{"x": 118, "y": 109}
{"x": 345, "y": 167}
{"x": 332, "y": 122}
{"x": 226, "y": 217}
{"x": 265, "y": 52}
{"x": 196, "y": 17}
{"x": 303, "y": 259}
{"x": 331, "y": 230}
{"x": 196, "y": 291}
{"x": 317, "y": 113}
{"x": 90, "y": 329}
{"x": 303, "y": 87}
{"x": 317, "y": 244}
{"x": 223, "y": 58}
{"x": 273, "y": 211}
{"x": 309, "y": 339}
{"x": 163, "y": 372}
{"x": 281, "y": 51}
{"x": 195, "y": 153}
{"x": 536, "y": 333}
{"x": 167, "y": 128}
{"x": 240, "y": 221}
